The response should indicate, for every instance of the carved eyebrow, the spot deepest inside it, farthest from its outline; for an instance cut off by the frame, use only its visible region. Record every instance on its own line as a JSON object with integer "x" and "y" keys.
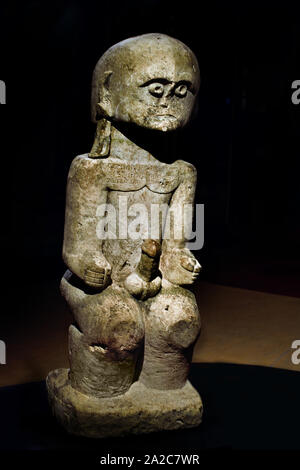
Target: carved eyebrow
{"x": 185, "y": 82}
{"x": 163, "y": 81}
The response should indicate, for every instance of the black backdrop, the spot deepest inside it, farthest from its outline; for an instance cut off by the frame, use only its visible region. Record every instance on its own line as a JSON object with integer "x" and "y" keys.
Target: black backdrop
{"x": 244, "y": 141}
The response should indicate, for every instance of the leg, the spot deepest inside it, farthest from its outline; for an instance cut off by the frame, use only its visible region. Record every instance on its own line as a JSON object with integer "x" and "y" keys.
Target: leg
{"x": 172, "y": 325}
{"x": 101, "y": 396}
{"x": 106, "y": 341}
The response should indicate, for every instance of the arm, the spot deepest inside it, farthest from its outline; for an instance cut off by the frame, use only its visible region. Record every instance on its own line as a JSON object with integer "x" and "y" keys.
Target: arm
{"x": 178, "y": 265}
{"x": 82, "y": 250}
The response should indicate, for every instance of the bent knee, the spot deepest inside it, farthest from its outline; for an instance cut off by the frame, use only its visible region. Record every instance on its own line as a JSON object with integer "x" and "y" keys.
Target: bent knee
{"x": 111, "y": 317}
{"x": 118, "y": 321}
{"x": 124, "y": 334}
{"x": 176, "y": 318}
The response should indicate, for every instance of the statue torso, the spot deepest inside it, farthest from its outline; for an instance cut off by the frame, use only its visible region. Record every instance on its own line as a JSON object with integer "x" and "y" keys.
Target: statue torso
{"x": 135, "y": 183}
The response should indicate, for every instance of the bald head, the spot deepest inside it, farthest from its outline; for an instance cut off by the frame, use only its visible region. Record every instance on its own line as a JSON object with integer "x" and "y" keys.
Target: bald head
{"x": 150, "y": 80}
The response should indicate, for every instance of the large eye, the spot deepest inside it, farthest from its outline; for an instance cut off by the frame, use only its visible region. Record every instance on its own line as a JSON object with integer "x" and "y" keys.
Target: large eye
{"x": 156, "y": 89}
{"x": 181, "y": 90}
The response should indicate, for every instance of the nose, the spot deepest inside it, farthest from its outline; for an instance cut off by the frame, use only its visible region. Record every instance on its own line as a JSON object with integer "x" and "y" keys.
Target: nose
{"x": 163, "y": 102}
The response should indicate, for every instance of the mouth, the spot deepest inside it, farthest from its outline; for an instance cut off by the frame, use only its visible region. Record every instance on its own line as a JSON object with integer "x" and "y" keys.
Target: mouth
{"x": 163, "y": 117}
{"x": 164, "y": 122}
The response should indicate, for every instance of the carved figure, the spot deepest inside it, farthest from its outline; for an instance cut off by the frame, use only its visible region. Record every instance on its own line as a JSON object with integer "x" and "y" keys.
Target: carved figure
{"x": 135, "y": 322}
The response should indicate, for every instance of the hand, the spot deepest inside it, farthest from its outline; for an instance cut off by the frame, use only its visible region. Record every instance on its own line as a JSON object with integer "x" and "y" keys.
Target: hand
{"x": 190, "y": 263}
{"x": 97, "y": 273}
{"x": 179, "y": 266}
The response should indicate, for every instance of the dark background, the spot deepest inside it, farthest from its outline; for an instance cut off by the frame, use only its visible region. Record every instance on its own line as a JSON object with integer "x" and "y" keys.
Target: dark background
{"x": 245, "y": 144}
{"x": 245, "y": 141}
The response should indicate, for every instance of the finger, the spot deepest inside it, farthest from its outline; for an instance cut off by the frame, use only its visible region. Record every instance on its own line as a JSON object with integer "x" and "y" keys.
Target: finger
{"x": 95, "y": 271}
{"x": 95, "y": 275}
{"x": 94, "y": 284}
{"x": 197, "y": 268}
{"x": 96, "y": 280}
{"x": 187, "y": 263}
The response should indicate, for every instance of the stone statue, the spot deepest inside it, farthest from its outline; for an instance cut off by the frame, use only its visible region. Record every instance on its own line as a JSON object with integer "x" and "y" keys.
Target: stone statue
{"x": 135, "y": 326}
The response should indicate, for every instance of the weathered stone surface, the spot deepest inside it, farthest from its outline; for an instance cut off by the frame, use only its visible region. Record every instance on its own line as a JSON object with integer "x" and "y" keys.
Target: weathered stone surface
{"x": 140, "y": 410}
{"x": 135, "y": 324}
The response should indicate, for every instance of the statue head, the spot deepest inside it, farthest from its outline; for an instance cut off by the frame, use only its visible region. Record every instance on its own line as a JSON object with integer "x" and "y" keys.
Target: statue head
{"x": 151, "y": 81}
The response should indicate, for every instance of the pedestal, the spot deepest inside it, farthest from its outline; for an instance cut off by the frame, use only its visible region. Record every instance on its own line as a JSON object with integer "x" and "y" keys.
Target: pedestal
{"x": 140, "y": 410}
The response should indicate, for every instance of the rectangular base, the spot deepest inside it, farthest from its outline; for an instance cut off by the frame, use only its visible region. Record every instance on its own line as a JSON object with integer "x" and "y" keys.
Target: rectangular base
{"x": 140, "y": 410}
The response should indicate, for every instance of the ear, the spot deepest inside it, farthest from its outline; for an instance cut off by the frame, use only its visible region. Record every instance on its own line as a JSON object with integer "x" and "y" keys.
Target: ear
{"x": 101, "y": 146}
{"x": 104, "y": 106}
